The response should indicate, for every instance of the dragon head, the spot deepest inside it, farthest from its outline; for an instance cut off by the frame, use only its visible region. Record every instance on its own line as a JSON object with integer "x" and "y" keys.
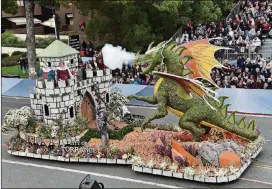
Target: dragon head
{"x": 150, "y": 60}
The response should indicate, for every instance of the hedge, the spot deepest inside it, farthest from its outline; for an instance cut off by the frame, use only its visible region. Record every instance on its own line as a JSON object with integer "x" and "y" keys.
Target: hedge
{"x": 4, "y": 55}
{"x": 17, "y": 53}
{"x": 11, "y": 61}
{"x": 10, "y": 40}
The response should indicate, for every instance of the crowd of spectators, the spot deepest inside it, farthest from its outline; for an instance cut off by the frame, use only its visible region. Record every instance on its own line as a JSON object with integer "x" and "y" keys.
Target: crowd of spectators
{"x": 245, "y": 30}
{"x": 132, "y": 75}
{"x": 247, "y": 73}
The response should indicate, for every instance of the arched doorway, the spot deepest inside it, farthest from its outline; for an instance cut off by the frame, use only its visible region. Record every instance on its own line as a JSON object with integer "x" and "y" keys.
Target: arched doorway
{"x": 88, "y": 110}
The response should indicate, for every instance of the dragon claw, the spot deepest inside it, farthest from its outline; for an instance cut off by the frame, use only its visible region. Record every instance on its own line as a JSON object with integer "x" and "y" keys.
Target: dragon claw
{"x": 129, "y": 97}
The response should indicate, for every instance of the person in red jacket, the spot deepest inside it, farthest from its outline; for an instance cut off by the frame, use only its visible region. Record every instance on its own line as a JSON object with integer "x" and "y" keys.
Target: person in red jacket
{"x": 265, "y": 28}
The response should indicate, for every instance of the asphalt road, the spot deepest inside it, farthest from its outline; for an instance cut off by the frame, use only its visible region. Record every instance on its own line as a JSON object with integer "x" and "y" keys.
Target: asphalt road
{"x": 18, "y": 172}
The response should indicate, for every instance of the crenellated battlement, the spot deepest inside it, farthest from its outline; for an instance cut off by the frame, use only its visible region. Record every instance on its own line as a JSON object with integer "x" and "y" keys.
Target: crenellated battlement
{"x": 50, "y": 101}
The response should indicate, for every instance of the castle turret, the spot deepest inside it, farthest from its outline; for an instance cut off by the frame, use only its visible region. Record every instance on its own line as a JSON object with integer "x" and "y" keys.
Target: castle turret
{"x": 68, "y": 99}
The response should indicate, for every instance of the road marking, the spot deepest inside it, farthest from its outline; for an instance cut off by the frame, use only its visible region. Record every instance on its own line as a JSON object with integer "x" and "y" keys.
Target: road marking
{"x": 257, "y": 181}
{"x": 91, "y": 173}
{"x": 262, "y": 166}
{"x": 16, "y": 97}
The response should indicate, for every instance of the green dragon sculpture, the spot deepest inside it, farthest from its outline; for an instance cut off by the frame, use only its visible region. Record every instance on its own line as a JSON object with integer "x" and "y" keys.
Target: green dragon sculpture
{"x": 185, "y": 96}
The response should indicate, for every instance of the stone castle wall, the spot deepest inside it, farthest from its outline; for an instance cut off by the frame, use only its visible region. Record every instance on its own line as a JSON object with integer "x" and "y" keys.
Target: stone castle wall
{"x": 49, "y": 103}
{"x": 70, "y": 60}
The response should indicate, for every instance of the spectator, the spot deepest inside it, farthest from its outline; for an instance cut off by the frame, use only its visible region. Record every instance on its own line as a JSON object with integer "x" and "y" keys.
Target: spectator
{"x": 241, "y": 63}
{"x": 256, "y": 44}
{"x": 23, "y": 65}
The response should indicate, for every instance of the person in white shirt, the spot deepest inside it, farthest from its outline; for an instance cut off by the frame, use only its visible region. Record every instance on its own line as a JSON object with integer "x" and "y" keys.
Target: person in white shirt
{"x": 231, "y": 33}
{"x": 269, "y": 66}
{"x": 256, "y": 44}
{"x": 252, "y": 32}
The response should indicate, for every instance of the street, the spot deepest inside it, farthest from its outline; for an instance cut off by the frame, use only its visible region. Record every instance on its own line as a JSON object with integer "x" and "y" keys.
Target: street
{"x": 18, "y": 172}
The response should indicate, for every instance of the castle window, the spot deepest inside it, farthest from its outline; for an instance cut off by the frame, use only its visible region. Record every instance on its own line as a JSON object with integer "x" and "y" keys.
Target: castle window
{"x": 79, "y": 92}
{"x": 49, "y": 64}
{"x": 72, "y": 61}
{"x": 71, "y": 112}
{"x": 107, "y": 98}
{"x": 46, "y": 110}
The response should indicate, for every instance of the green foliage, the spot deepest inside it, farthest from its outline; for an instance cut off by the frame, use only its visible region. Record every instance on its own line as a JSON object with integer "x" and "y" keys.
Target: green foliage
{"x": 113, "y": 153}
{"x": 44, "y": 131}
{"x": 9, "y": 6}
{"x": 113, "y": 134}
{"x": 4, "y": 55}
{"x": 31, "y": 125}
{"x": 81, "y": 122}
{"x": 99, "y": 46}
{"x": 10, "y": 40}
{"x": 17, "y": 53}
{"x": 225, "y": 5}
{"x": 133, "y": 24}
{"x": 11, "y": 61}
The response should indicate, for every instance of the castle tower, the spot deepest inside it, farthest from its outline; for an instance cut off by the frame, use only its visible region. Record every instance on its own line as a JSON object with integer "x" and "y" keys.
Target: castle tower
{"x": 74, "y": 98}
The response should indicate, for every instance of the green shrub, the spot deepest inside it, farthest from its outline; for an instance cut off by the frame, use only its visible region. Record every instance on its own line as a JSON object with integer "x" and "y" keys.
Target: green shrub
{"x": 11, "y": 61}
{"x": 4, "y": 55}
{"x": 113, "y": 134}
{"x": 24, "y": 54}
{"x": 99, "y": 46}
{"x": 17, "y": 53}
{"x": 10, "y": 40}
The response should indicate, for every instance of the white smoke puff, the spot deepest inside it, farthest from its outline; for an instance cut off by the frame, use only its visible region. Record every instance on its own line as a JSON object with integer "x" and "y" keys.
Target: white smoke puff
{"x": 115, "y": 57}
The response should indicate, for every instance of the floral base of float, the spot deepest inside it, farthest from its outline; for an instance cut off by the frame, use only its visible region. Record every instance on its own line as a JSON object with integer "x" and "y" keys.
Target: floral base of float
{"x": 188, "y": 173}
{"x": 71, "y": 159}
{"x": 152, "y": 139}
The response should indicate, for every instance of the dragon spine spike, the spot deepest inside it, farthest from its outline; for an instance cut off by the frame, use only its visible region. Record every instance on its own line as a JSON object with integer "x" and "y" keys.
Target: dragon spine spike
{"x": 224, "y": 110}
{"x": 185, "y": 59}
{"x": 251, "y": 125}
{"x": 221, "y": 101}
{"x": 180, "y": 50}
{"x": 208, "y": 103}
{"x": 171, "y": 45}
{"x": 241, "y": 123}
{"x": 186, "y": 72}
{"x": 150, "y": 46}
{"x": 161, "y": 44}
{"x": 231, "y": 118}
{"x": 214, "y": 93}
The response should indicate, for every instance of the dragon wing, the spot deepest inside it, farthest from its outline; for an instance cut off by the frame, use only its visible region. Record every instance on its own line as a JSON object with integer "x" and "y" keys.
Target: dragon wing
{"x": 187, "y": 86}
{"x": 202, "y": 59}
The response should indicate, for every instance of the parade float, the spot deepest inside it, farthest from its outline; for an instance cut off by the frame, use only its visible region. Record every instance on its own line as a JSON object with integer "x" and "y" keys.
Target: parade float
{"x": 77, "y": 119}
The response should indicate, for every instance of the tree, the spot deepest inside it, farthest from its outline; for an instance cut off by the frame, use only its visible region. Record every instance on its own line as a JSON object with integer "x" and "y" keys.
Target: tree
{"x": 10, "y": 6}
{"x": 133, "y": 24}
{"x": 30, "y": 33}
